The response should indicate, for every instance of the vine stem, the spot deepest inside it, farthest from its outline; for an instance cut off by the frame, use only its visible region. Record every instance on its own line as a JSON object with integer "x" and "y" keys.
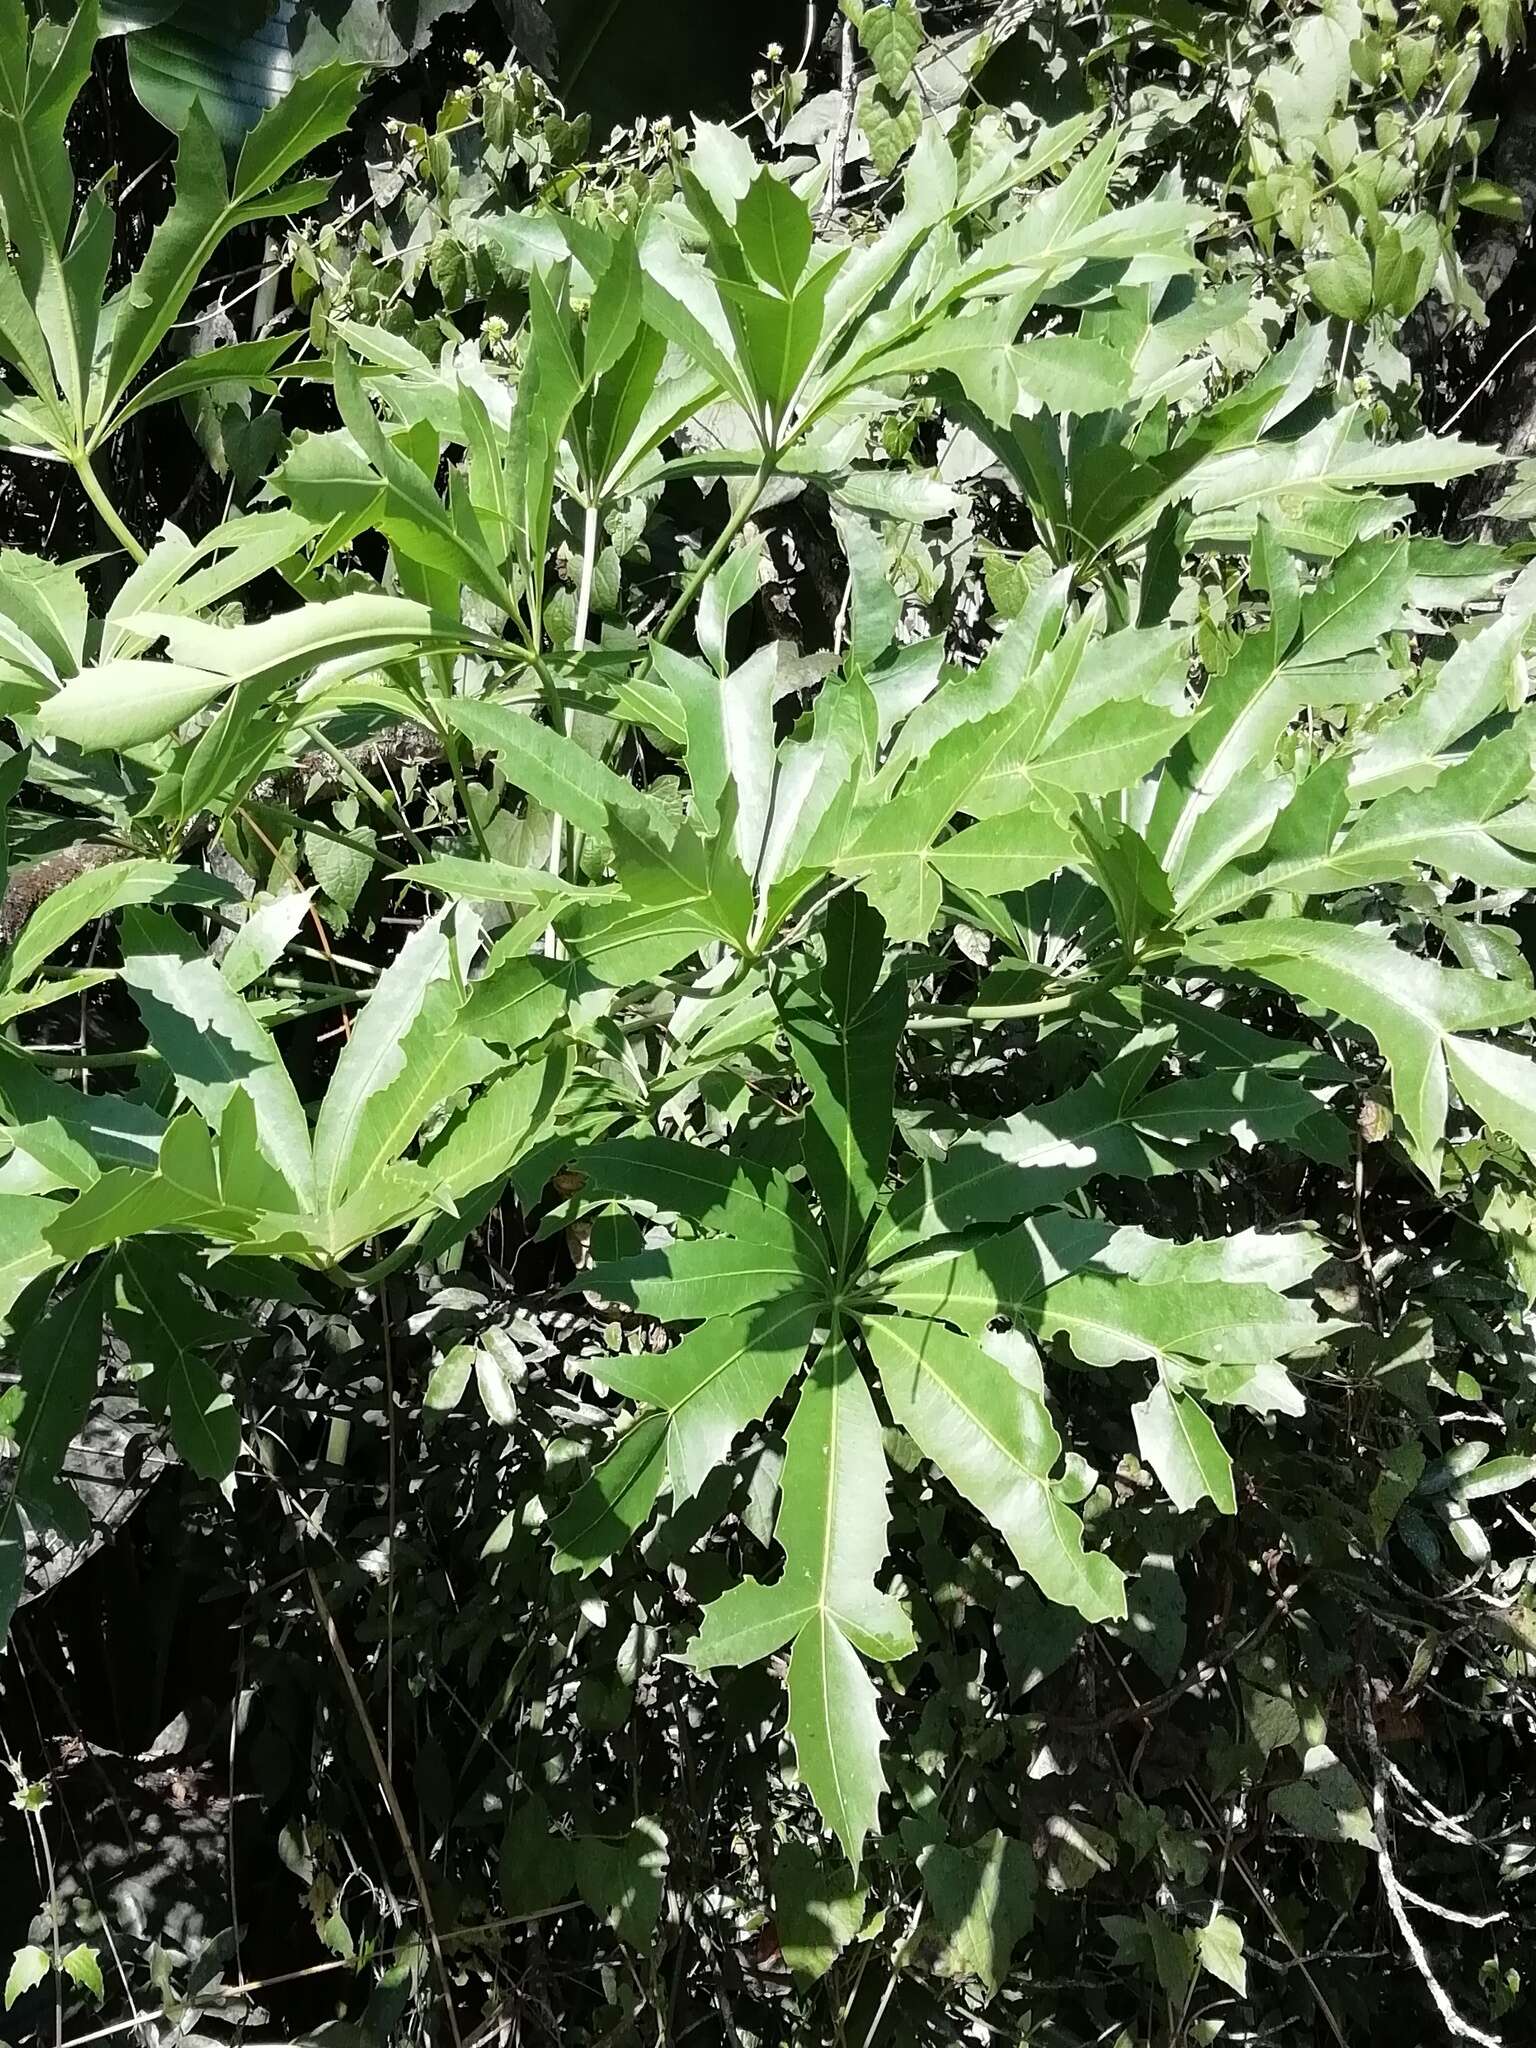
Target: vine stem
{"x": 589, "y": 544}
{"x": 91, "y": 484}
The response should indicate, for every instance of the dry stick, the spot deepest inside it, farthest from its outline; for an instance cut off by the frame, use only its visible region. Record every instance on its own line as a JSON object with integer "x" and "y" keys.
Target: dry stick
{"x": 848, "y": 87}
{"x": 229, "y": 1817}
{"x": 386, "y": 1786}
{"x": 1455, "y": 2025}
{"x": 1450, "y": 1912}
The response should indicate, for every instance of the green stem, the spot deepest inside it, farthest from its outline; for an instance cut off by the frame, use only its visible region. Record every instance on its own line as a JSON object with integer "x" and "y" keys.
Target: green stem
{"x": 92, "y": 486}
{"x": 449, "y": 737}
{"x": 589, "y": 544}
{"x": 359, "y": 781}
{"x": 382, "y": 1268}
{"x": 997, "y": 1013}
{"x": 290, "y": 821}
{"x": 738, "y": 519}
{"x": 66, "y": 1056}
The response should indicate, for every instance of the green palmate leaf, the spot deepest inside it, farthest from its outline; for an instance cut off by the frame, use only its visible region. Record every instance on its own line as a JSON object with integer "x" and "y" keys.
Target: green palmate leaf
{"x": 1178, "y": 1442}
{"x": 553, "y": 769}
{"x": 983, "y": 1904}
{"x": 205, "y": 211}
{"x": 167, "y": 1328}
{"x": 1010, "y": 851}
{"x": 434, "y": 1060}
{"x": 831, "y": 1527}
{"x": 1468, "y": 826}
{"x": 1326, "y": 1802}
{"x": 993, "y": 1439}
{"x": 82, "y": 1965}
{"x": 1218, "y": 797}
{"x": 1041, "y": 718}
{"x": 1117, "y": 1295}
{"x": 715, "y": 1189}
{"x": 29, "y": 1966}
{"x": 622, "y": 947}
{"x": 843, "y": 1029}
{"x": 404, "y": 499}
{"x": 1003, "y": 377}
{"x": 1500, "y": 1086}
{"x": 1129, "y": 873}
{"x": 212, "y": 1043}
{"x": 1362, "y": 599}
{"x": 1219, "y": 1944}
{"x": 56, "y": 1363}
{"x": 1481, "y": 678}
{"x": 1280, "y": 478}
{"x": 359, "y": 1124}
{"x": 126, "y": 703}
{"x": 1108, "y": 1125}
{"x": 1471, "y": 825}
{"x": 316, "y": 105}
{"x": 54, "y": 277}
{"x": 875, "y": 601}
{"x": 728, "y": 721}
{"x": 25, "y": 1251}
{"x": 236, "y": 365}
{"x": 546, "y": 396}
{"x": 264, "y": 936}
{"x": 718, "y": 1379}
{"x": 773, "y": 225}
{"x": 605, "y": 1513}
{"x": 479, "y": 1146}
{"x": 818, "y": 1909}
{"x": 492, "y": 881}
{"x": 624, "y": 1881}
{"x": 695, "y": 1280}
{"x": 519, "y": 999}
{"x": 816, "y": 782}
{"x": 730, "y": 588}
{"x": 1410, "y": 1006}
{"x": 613, "y": 319}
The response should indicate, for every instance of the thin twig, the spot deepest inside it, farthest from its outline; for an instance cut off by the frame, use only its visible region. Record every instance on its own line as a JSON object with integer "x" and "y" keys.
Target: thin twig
{"x": 391, "y": 1799}
{"x": 1207, "y": 1669}
{"x": 1450, "y": 1912}
{"x": 1455, "y": 2025}
{"x": 1202, "y": 1805}
{"x": 1478, "y": 389}
{"x": 394, "y": 1469}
